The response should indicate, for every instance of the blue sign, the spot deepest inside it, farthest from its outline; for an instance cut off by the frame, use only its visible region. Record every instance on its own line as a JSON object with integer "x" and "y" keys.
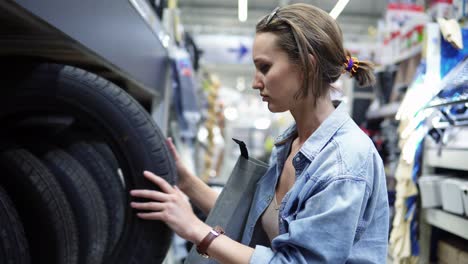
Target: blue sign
{"x": 225, "y": 49}
{"x": 241, "y": 51}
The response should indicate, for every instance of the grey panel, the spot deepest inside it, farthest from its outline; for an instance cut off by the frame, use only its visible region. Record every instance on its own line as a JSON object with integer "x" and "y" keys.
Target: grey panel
{"x": 447, "y": 221}
{"x": 111, "y": 29}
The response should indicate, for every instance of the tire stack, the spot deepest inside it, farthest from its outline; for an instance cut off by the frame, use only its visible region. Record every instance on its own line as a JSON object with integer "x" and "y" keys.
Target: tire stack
{"x": 72, "y": 145}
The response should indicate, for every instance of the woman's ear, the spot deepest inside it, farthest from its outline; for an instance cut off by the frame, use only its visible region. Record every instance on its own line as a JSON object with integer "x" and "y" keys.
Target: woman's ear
{"x": 312, "y": 60}
{"x": 313, "y": 64}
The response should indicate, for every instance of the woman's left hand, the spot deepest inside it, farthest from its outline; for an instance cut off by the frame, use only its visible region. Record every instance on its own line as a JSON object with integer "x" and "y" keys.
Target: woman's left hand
{"x": 169, "y": 206}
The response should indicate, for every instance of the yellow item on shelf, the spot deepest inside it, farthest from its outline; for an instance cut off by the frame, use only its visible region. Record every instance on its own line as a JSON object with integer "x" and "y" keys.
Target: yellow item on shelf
{"x": 172, "y": 4}
{"x": 211, "y": 86}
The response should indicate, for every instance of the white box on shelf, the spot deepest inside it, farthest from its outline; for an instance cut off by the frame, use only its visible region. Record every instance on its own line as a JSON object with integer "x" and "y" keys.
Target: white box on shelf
{"x": 464, "y": 193}
{"x": 452, "y": 200}
{"x": 430, "y": 188}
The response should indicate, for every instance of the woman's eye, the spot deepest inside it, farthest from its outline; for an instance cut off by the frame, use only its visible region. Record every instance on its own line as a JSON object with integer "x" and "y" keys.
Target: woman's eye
{"x": 264, "y": 68}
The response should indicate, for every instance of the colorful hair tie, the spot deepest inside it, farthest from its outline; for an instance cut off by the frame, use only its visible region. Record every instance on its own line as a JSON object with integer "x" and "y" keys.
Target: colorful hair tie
{"x": 351, "y": 65}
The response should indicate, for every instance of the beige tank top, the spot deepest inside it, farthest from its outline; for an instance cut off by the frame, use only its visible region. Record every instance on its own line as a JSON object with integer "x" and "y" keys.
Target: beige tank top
{"x": 270, "y": 219}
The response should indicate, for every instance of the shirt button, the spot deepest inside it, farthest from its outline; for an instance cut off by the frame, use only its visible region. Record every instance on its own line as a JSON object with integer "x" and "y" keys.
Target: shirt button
{"x": 298, "y": 158}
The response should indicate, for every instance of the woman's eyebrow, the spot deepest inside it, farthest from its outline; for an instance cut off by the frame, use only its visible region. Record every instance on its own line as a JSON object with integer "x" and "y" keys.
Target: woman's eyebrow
{"x": 260, "y": 60}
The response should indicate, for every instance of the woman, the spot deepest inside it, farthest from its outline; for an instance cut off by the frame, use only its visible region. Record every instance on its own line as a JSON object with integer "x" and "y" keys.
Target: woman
{"x": 326, "y": 175}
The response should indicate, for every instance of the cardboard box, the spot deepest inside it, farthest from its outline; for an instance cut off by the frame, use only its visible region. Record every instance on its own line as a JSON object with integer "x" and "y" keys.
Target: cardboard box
{"x": 452, "y": 251}
{"x": 447, "y": 252}
{"x": 463, "y": 257}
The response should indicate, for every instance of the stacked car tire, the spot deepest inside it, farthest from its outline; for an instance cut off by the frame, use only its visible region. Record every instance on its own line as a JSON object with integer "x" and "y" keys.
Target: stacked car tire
{"x": 72, "y": 145}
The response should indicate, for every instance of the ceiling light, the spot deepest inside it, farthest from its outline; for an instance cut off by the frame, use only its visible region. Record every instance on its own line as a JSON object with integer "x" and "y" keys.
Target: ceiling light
{"x": 336, "y": 11}
{"x": 242, "y": 12}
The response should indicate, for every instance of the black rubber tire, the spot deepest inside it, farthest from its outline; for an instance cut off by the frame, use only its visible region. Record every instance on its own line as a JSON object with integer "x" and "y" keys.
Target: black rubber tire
{"x": 106, "y": 153}
{"x": 47, "y": 216}
{"x": 86, "y": 201}
{"x": 107, "y": 181}
{"x": 109, "y": 111}
{"x": 13, "y": 243}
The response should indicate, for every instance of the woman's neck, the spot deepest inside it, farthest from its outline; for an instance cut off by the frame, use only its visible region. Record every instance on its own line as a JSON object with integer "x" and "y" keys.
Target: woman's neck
{"x": 309, "y": 117}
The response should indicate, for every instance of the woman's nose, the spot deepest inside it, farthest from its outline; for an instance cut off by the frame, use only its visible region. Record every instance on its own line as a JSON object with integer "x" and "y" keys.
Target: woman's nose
{"x": 257, "y": 84}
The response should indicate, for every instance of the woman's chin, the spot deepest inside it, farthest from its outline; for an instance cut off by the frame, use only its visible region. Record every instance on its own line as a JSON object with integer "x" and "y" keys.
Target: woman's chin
{"x": 274, "y": 109}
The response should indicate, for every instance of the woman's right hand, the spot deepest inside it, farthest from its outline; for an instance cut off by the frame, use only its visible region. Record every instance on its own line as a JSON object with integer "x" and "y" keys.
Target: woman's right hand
{"x": 198, "y": 191}
{"x": 182, "y": 171}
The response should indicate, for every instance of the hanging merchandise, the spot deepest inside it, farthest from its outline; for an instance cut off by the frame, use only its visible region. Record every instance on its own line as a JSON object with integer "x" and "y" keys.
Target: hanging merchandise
{"x": 211, "y": 85}
{"x": 185, "y": 96}
{"x": 403, "y": 239}
{"x": 427, "y": 83}
{"x": 416, "y": 97}
{"x": 452, "y": 98}
{"x": 454, "y": 86}
{"x": 451, "y": 31}
{"x": 451, "y": 56}
{"x": 441, "y": 55}
{"x": 403, "y": 245}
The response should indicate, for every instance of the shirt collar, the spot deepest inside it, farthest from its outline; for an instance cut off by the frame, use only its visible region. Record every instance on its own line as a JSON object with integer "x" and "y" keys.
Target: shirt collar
{"x": 317, "y": 141}
{"x": 289, "y": 133}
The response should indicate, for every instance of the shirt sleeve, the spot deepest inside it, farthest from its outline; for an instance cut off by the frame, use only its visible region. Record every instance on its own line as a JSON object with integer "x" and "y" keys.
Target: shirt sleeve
{"x": 324, "y": 230}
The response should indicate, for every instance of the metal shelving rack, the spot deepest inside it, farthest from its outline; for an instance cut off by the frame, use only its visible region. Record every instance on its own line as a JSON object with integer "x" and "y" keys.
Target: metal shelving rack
{"x": 451, "y": 223}
{"x": 449, "y": 156}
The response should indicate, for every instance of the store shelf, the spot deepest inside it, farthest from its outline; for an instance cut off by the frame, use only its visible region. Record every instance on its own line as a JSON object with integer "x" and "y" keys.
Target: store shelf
{"x": 449, "y": 222}
{"x": 407, "y": 54}
{"x": 388, "y": 110}
{"x": 379, "y": 68}
{"x": 447, "y": 158}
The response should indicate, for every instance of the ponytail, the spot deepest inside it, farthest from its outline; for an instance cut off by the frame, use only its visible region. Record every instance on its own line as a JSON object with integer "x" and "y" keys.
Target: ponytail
{"x": 362, "y": 71}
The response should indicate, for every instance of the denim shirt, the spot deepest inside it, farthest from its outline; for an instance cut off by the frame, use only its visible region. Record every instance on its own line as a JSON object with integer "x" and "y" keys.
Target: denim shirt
{"x": 337, "y": 209}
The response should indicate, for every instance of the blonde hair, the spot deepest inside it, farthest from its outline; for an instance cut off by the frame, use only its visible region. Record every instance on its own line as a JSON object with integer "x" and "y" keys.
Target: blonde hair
{"x": 303, "y": 29}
